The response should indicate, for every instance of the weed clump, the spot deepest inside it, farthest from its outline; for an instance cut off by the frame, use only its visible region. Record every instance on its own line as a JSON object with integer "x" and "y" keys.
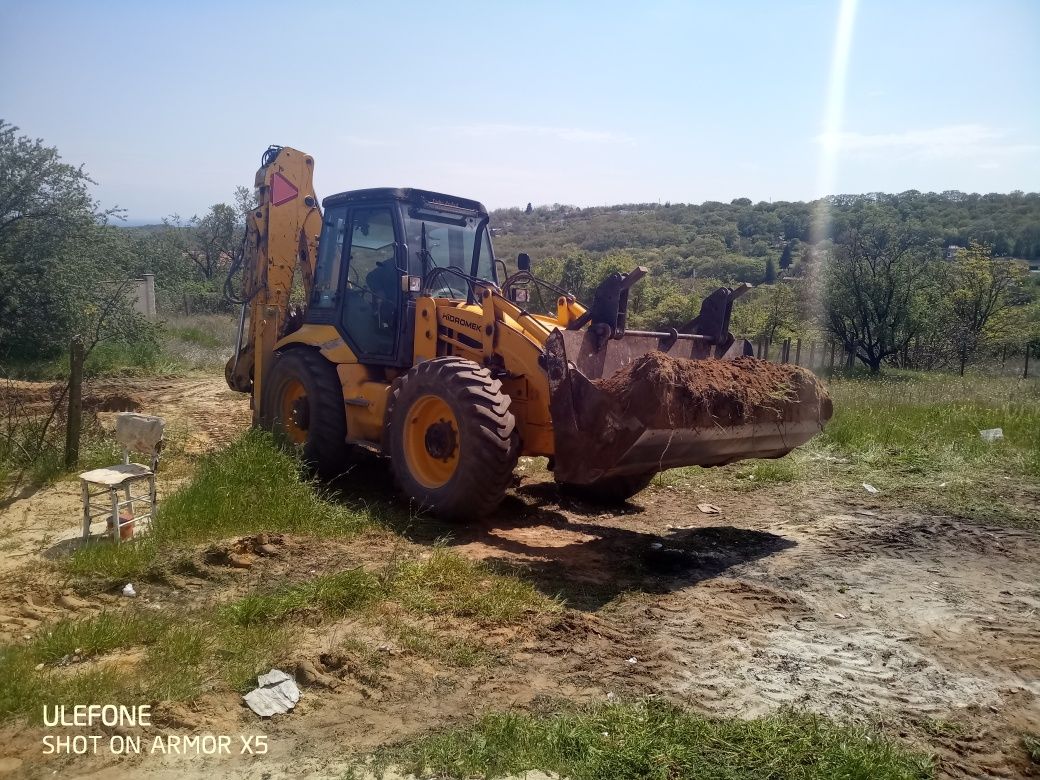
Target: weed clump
{"x": 332, "y": 594}
{"x": 253, "y": 486}
{"x": 447, "y": 584}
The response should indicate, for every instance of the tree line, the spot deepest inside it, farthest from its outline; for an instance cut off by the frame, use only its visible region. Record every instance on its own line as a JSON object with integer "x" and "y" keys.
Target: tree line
{"x": 875, "y": 272}
{"x": 948, "y": 273}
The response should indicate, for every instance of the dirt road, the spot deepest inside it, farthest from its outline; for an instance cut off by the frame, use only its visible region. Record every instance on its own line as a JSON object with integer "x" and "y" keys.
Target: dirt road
{"x": 789, "y": 597}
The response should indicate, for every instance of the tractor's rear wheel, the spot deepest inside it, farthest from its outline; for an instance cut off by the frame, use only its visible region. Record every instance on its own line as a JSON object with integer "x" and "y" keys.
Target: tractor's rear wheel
{"x": 452, "y": 440}
{"x": 303, "y": 406}
{"x": 610, "y": 490}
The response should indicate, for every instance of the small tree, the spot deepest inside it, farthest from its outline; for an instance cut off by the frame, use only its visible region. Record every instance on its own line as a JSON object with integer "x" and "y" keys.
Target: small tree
{"x": 529, "y": 209}
{"x": 59, "y": 259}
{"x": 785, "y": 257}
{"x": 770, "y": 276}
{"x": 976, "y": 292}
{"x": 768, "y": 312}
{"x": 873, "y": 287}
{"x": 215, "y": 239}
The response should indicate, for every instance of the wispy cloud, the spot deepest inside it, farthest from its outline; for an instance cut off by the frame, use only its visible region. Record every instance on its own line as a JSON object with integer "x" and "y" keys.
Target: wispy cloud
{"x": 571, "y": 134}
{"x": 969, "y": 141}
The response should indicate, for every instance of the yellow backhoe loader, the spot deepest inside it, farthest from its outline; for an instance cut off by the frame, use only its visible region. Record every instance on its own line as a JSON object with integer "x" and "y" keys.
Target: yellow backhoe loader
{"x": 410, "y": 344}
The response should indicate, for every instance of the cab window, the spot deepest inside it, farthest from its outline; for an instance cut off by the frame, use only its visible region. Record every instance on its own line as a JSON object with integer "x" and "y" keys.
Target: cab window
{"x": 330, "y": 257}
{"x": 373, "y": 285}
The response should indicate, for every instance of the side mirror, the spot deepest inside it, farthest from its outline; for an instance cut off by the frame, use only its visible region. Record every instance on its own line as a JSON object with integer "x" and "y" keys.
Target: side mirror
{"x": 523, "y": 262}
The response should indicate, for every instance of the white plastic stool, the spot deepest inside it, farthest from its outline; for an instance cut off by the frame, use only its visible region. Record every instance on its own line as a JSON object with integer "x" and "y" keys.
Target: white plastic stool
{"x": 138, "y": 433}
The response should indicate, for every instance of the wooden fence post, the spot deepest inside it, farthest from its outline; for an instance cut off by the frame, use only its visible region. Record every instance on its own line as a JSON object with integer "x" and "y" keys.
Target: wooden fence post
{"x": 74, "y": 418}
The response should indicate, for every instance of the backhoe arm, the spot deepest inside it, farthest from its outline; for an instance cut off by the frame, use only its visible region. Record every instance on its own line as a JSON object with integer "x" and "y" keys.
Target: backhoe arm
{"x": 281, "y": 237}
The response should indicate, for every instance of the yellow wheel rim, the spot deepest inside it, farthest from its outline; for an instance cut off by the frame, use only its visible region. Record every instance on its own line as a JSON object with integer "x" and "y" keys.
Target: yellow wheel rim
{"x": 431, "y": 441}
{"x": 295, "y": 412}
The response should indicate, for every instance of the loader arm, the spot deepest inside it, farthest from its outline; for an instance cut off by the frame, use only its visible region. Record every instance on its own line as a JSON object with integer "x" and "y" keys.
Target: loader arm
{"x": 281, "y": 239}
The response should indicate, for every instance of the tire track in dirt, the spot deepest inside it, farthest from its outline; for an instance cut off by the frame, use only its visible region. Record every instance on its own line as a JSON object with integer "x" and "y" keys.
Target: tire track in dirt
{"x": 911, "y": 619}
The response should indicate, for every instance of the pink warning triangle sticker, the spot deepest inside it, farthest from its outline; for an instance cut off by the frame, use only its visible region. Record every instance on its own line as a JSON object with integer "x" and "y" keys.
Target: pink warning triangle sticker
{"x": 282, "y": 190}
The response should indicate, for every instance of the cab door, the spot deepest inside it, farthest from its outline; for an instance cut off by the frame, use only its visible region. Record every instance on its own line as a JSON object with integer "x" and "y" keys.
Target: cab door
{"x": 371, "y": 314}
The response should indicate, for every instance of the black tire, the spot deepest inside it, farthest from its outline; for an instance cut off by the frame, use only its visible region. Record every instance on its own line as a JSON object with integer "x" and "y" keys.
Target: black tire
{"x": 611, "y": 490}
{"x": 484, "y": 448}
{"x": 324, "y": 448}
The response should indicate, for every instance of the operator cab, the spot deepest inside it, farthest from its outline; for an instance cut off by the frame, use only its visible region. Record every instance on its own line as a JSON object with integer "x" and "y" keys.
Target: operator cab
{"x": 378, "y": 248}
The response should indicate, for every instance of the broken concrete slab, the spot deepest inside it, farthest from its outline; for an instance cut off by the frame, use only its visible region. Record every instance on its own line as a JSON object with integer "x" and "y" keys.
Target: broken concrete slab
{"x": 277, "y": 694}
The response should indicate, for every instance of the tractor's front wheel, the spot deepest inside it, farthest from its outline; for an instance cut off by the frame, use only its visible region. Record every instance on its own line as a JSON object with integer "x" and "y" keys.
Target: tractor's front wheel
{"x": 302, "y": 405}
{"x": 452, "y": 440}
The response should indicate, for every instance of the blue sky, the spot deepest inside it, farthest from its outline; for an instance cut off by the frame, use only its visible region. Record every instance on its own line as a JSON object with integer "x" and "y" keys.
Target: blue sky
{"x": 171, "y": 104}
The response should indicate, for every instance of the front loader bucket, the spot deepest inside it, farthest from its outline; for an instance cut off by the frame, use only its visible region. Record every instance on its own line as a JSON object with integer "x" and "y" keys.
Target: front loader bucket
{"x": 616, "y": 410}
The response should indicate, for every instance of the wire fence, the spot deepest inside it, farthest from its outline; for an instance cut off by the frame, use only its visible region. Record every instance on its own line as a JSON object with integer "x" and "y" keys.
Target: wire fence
{"x": 824, "y": 356}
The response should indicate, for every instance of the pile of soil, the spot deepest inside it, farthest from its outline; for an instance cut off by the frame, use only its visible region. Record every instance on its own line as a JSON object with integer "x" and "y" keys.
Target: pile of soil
{"x": 666, "y": 392}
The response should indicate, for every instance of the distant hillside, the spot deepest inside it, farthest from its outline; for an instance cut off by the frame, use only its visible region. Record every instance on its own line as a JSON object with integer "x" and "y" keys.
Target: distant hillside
{"x": 145, "y": 230}
{"x": 735, "y": 240}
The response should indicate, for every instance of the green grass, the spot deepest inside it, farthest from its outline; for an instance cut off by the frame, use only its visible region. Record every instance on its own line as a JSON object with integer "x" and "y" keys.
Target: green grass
{"x": 442, "y": 584}
{"x": 96, "y": 636}
{"x": 108, "y": 358}
{"x": 126, "y": 561}
{"x": 652, "y": 741}
{"x": 201, "y": 342}
{"x": 36, "y": 455}
{"x": 243, "y": 652}
{"x": 193, "y": 334}
{"x": 331, "y": 594}
{"x": 198, "y": 343}
{"x": 24, "y": 688}
{"x": 187, "y": 653}
{"x": 252, "y": 486}
{"x": 128, "y": 359}
{"x": 171, "y": 657}
{"x": 916, "y": 438}
{"x": 448, "y": 584}
{"x": 1032, "y": 746}
{"x": 461, "y": 653}
{"x": 924, "y": 423}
